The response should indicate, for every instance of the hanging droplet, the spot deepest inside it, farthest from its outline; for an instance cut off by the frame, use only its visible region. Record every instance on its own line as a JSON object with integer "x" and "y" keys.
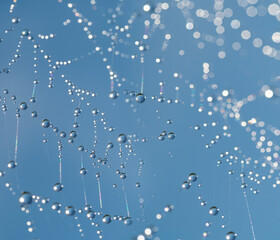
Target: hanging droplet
{"x": 113, "y": 95}
{"x": 83, "y": 171}
{"x": 70, "y": 211}
{"x": 122, "y": 138}
{"x": 128, "y": 221}
{"x": 45, "y": 123}
{"x": 106, "y": 219}
{"x": 12, "y": 164}
{"x": 90, "y": 214}
{"x": 171, "y": 135}
{"x": 231, "y": 236}
{"x": 58, "y": 187}
{"x": 23, "y": 106}
{"x": 214, "y": 211}
{"x": 140, "y": 98}
{"x": 25, "y": 199}
{"x": 186, "y": 185}
{"x": 56, "y": 206}
{"x": 192, "y": 177}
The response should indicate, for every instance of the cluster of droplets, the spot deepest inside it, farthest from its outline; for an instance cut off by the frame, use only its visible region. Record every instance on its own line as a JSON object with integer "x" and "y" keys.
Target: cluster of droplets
{"x": 224, "y": 102}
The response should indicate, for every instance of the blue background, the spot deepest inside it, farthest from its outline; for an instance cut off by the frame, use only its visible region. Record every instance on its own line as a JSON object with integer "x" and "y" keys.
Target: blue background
{"x": 244, "y": 71}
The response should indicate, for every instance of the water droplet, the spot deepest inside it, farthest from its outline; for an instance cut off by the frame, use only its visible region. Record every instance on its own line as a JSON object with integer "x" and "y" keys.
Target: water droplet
{"x": 12, "y": 164}
{"x": 123, "y": 176}
{"x": 231, "y": 236}
{"x": 192, "y": 177}
{"x": 214, "y": 211}
{"x": 34, "y": 114}
{"x": 56, "y": 206}
{"x": 171, "y": 135}
{"x": 45, "y": 123}
{"x": 140, "y": 98}
{"x": 186, "y": 185}
{"x": 106, "y": 219}
{"x": 23, "y": 106}
{"x": 58, "y": 187}
{"x": 113, "y": 95}
{"x": 128, "y": 221}
{"x": 25, "y": 199}
{"x": 122, "y": 138}
{"x": 70, "y": 211}
{"x": 83, "y": 171}
{"x": 90, "y": 214}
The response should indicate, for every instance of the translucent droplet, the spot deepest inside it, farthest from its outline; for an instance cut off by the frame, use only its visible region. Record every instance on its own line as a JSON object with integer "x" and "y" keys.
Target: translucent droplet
{"x": 171, "y": 135}
{"x": 113, "y": 95}
{"x": 90, "y": 214}
{"x": 123, "y": 176}
{"x": 34, "y": 114}
{"x": 164, "y": 133}
{"x": 62, "y": 134}
{"x": 25, "y": 32}
{"x": 23, "y": 106}
{"x": 192, "y": 177}
{"x": 128, "y": 221}
{"x": 161, "y": 99}
{"x": 15, "y": 20}
{"x": 106, "y": 219}
{"x": 73, "y": 134}
{"x": 231, "y": 236}
{"x": 45, "y": 123}
{"x": 168, "y": 208}
{"x": 186, "y": 185}
{"x": 88, "y": 207}
{"x": 55, "y": 206}
{"x": 25, "y": 199}
{"x": 12, "y": 164}
{"x": 110, "y": 145}
{"x": 70, "y": 211}
{"x": 214, "y": 211}
{"x": 83, "y": 171}
{"x": 32, "y": 100}
{"x": 140, "y": 98}
{"x": 122, "y": 138}
{"x": 94, "y": 111}
{"x": 161, "y": 137}
{"x": 203, "y": 203}
{"x": 132, "y": 93}
{"x": 57, "y": 187}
